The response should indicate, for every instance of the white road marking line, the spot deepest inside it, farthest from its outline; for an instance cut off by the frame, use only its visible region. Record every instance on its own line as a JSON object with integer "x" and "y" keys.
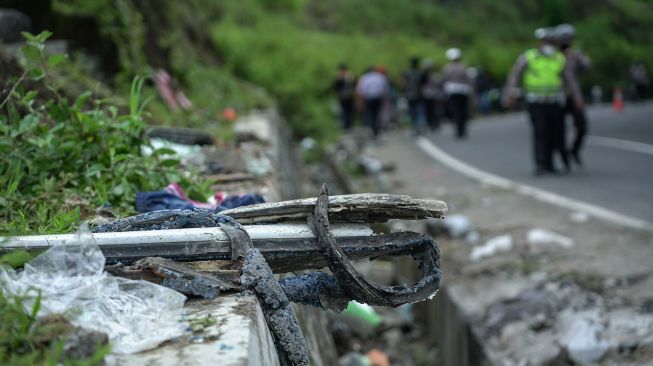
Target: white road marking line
{"x": 628, "y": 145}
{"x": 553, "y": 198}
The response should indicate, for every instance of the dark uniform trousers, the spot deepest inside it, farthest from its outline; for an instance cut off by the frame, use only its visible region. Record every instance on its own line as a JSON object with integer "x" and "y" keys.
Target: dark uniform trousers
{"x": 580, "y": 124}
{"x": 458, "y": 104}
{"x": 548, "y": 134}
{"x": 347, "y": 112}
{"x": 372, "y": 113}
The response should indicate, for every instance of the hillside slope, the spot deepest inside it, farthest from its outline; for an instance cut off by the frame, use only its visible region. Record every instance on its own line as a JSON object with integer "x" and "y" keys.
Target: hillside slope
{"x": 292, "y": 47}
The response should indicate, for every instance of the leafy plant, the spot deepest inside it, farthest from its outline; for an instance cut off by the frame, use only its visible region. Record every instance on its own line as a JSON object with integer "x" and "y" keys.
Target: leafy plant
{"x": 60, "y": 160}
{"x": 24, "y": 342}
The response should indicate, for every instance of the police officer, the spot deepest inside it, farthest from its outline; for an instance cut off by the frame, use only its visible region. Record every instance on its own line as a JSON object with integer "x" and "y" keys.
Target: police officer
{"x": 458, "y": 87}
{"x": 577, "y": 62}
{"x": 541, "y": 71}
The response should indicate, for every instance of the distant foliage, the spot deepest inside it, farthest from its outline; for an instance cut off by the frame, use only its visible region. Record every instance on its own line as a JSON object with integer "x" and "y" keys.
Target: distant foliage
{"x": 173, "y": 36}
{"x": 293, "y": 48}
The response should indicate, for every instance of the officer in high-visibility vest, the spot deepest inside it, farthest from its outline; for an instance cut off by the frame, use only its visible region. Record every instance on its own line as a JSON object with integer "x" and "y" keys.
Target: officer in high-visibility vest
{"x": 541, "y": 72}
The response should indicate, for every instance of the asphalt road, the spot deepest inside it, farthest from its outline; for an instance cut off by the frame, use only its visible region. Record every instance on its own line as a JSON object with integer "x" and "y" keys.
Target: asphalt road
{"x": 618, "y": 157}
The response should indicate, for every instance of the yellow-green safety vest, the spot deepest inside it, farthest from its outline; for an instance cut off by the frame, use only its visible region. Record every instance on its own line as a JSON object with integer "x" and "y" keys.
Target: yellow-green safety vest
{"x": 543, "y": 74}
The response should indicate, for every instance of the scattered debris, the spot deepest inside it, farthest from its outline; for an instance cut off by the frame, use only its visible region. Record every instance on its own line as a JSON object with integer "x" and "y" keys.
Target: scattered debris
{"x": 542, "y": 240}
{"x": 364, "y": 207}
{"x": 173, "y": 99}
{"x": 579, "y": 217}
{"x": 186, "y": 280}
{"x": 558, "y": 322}
{"x": 472, "y": 237}
{"x": 363, "y": 312}
{"x": 308, "y": 143}
{"x": 581, "y": 335}
{"x": 457, "y": 225}
{"x": 497, "y": 245}
{"x": 71, "y": 277}
{"x": 173, "y": 197}
{"x": 254, "y": 127}
{"x": 287, "y": 247}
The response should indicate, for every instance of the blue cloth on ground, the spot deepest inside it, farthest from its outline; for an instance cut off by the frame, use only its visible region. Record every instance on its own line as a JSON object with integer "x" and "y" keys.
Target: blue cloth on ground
{"x": 164, "y": 200}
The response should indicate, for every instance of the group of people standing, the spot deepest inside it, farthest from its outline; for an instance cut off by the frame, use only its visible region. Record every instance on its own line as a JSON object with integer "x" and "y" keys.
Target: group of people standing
{"x": 545, "y": 77}
{"x": 429, "y": 95}
{"x": 548, "y": 76}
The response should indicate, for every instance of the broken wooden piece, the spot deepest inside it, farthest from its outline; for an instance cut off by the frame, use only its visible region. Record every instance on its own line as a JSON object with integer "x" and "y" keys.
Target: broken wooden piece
{"x": 360, "y": 208}
{"x": 186, "y": 280}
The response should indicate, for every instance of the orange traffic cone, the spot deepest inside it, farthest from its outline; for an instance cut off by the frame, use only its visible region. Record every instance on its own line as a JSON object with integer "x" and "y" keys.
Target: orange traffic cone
{"x": 617, "y": 100}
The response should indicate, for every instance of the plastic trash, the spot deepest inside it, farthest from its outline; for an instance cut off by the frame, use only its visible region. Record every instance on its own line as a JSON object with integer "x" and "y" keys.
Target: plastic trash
{"x": 497, "y": 245}
{"x": 457, "y": 225}
{"x": 579, "y": 217}
{"x": 188, "y": 155}
{"x": 540, "y": 239}
{"x": 472, "y": 237}
{"x": 135, "y": 315}
{"x": 308, "y": 143}
{"x": 363, "y": 312}
{"x": 582, "y": 335}
{"x": 370, "y": 165}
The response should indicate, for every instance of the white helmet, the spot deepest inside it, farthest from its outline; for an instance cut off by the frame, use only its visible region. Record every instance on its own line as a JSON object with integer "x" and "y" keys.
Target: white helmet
{"x": 453, "y": 54}
{"x": 565, "y": 32}
{"x": 542, "y": 33}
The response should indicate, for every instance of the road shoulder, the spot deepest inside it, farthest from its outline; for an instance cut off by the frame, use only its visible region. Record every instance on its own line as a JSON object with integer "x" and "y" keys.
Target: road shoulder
{"x": 604, "y": 274}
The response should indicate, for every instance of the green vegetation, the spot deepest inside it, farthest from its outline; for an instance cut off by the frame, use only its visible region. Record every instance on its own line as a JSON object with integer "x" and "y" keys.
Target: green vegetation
{"x": 61, "y": 159}
{"x": 169, "y": 35}
{"x": 24, "y": 341}
{"x": 293, "y": 47}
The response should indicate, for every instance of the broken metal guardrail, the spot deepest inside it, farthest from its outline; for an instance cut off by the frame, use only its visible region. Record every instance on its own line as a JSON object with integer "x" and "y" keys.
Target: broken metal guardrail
{"x": 153, "y": 245}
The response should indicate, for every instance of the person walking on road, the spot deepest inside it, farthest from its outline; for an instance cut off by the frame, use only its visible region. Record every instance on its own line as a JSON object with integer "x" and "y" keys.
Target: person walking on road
{"x": 372, "y": 89}
{"x": 458, "y": 87}
{"x": 430, "y": 92}
{"x": 640, "y": 79}
{"x": 410, "y": 84}
{"x": 576, "y": 62}
{"x": 542, "y": 73}
{"x": 344, "y": 87}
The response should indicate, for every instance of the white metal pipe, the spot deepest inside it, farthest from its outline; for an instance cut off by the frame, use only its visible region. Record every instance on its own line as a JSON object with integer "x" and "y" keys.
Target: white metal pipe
{"x": 213, "y": 235}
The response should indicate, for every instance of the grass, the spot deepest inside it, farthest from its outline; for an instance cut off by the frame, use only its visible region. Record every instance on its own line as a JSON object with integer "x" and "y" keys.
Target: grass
{"x": 62, "y": 159}
{"x": 25, "y": 341}
{"x": 293, "y": 47}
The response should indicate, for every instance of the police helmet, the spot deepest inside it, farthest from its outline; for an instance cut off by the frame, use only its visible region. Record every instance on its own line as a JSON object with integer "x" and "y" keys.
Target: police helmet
{"x": 565, "y": 32}
{"x": 453, "y": 54}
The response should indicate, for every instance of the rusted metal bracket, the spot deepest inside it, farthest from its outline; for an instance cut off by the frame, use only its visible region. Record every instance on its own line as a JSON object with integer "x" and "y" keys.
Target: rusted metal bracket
{"x": 257, "y": 275}
{"x": 355, "y": 285}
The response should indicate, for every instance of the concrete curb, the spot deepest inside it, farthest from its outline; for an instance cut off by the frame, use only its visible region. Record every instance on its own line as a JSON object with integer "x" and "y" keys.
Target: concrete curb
{"x": 484, "y": 177}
